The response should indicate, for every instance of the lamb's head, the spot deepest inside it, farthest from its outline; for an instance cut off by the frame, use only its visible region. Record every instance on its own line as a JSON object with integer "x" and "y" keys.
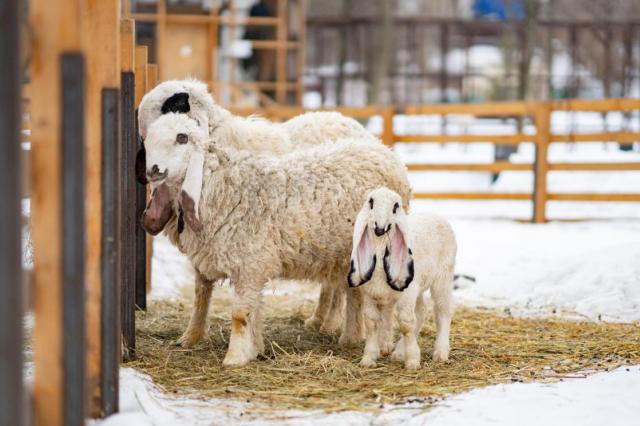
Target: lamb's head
{"x": 189, "y": 97}
{"x": 175, "y": 162}
{"x": 382, "y": 222}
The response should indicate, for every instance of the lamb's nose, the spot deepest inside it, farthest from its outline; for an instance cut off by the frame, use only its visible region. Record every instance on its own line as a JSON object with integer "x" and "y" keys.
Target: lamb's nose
{"x": 154, "y": 173}
{"x": 379, "y": 231}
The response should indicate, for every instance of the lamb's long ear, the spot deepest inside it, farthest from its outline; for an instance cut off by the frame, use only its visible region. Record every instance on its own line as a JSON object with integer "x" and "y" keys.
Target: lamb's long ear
{"x": 398, "y": 258}
{"x": 191, "y": 188}
{"x": 363, "y": 256}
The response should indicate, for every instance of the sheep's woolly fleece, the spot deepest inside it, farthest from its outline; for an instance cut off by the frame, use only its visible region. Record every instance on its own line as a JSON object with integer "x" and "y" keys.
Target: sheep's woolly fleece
{"x": 289, "y": 216}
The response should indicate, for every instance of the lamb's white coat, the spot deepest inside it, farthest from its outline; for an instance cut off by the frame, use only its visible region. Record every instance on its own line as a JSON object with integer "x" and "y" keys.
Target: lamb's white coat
{"x": 266, "y": 217}
{"x": 430, "y": 242}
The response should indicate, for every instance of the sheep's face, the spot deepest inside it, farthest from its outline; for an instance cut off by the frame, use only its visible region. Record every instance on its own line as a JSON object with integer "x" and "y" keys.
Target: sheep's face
{"x": 175, "y": 163}
{"x": 382, "y": 223}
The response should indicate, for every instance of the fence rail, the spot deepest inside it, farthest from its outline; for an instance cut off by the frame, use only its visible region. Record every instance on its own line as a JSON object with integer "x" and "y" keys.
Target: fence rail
{"x": 540, "y": 112}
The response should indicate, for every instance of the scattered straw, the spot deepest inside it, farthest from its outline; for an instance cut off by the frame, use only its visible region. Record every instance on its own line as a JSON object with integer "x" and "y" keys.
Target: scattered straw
{"x": 306, "y": 369}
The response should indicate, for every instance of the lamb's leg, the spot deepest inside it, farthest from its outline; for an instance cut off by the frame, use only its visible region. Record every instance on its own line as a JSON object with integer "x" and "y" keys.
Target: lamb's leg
{"x": 335, "y": 315}
{"x": 322, "y": 308}
{"x": 407, "y": 319}
{"x": 246, "y": 328}
{"x": 353, "y": 332}
{"x": 443, "y": 309}
{"x": 372, "y": 321}
{"x": 385, "y": 334}
{"x": 197, "y": 324}
{"x": 421, "y": 312}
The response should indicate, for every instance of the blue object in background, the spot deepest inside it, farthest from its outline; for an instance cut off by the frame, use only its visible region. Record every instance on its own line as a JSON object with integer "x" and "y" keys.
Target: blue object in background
{"x": 499, "y": 10}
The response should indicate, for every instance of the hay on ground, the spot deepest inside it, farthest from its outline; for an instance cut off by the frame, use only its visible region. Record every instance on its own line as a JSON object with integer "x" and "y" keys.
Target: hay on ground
{"x": 307, "y": 369}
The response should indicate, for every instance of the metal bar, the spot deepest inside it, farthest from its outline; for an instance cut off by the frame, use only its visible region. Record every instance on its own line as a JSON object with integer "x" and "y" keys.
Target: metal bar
{"x": 11, "y": 388}
{"x": 111, "y": 278}
{"x": 73, "y": 238}
{"x": 127, "y": 215}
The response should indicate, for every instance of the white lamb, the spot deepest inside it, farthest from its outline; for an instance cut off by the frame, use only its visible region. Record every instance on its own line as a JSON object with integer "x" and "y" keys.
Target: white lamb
{"x": 395, "y": 259}
{"x": 253, "y": 218}
{"x": 257, "y": 135}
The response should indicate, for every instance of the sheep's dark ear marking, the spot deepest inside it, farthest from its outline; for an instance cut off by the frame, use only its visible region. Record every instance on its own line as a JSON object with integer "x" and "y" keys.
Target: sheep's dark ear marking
{"x": 178, "y": 102}
{"x": 182, "y": 138}
{"x": 141, "y": 166}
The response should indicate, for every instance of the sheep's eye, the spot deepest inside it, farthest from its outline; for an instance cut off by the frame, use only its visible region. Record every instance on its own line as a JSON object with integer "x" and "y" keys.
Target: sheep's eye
{"x": 182, "y": 138}
{"x": 371, "y": 202}
{"x": 395, "y": 208}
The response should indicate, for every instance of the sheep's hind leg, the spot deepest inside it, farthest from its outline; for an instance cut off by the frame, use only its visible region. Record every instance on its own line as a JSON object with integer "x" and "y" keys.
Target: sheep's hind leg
{"x": 353, "y": 332}
{"x": 197, "y": 324}
{"x": 246, "y": 328}
{"x": 372, "y": 322}
{"x": 335, "y": 315}
{"x": 322, "y": 308}
{"x": 443, "y": 309}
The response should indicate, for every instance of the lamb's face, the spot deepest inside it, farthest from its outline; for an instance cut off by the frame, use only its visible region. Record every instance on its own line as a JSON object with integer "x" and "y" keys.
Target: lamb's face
{"x": 172, "y": 139}
{"x": 383, "y": 209}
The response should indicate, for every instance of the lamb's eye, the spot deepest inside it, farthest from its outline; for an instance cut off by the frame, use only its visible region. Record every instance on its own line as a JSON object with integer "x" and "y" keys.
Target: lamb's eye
{"x": 182, "y": 138}
{"x": 371, "y": 202}
{"x": 395, "y": 208}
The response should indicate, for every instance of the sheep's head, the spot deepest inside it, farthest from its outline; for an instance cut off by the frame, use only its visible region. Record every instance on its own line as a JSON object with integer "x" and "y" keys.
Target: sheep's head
{"x": 175, "y": 162}
{"x": 382, "y": 222}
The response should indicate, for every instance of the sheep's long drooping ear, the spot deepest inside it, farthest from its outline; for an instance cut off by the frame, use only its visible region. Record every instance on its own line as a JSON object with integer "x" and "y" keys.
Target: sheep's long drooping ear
{"x": 191, "y": 187}
{"x": 398, "y": 258}
{"x": 158, "y": 211}
{"x": 363, "y": 256}
{"x": 178, "y": 102}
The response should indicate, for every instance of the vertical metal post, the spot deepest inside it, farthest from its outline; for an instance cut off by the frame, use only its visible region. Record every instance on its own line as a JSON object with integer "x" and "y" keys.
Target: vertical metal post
{"x": 11, "y": 388}
{"x": 128, "y": 215}
{"x": 73, "y": 238}
{"x": 110, "y": 281}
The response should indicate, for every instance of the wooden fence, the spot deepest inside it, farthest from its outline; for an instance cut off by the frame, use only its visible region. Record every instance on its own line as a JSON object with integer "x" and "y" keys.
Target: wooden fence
{"x": 540, "y": 113}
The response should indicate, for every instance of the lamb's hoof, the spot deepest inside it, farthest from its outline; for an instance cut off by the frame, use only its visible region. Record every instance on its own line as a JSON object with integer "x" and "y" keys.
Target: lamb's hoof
{"x": 236, "y": 360}
{"x": 188, "y": 341}
{"x": 385, "y": 348}
{"x": 346, "y": 340}
{"x": 398, "y": 354}
{"x": 367, "y": 362}
{"x": 312, "y": 323}
{"x": 412, "y": 364}
{"x": 330, "y": 328}
{"x": 441, "y": 355}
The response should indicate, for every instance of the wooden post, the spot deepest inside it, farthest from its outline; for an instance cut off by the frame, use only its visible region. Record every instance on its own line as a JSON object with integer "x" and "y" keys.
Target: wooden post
{"x": 387, "y": 126}
{"x": 56, "y": 28}
{"x": 140, "y": 256}
{"x": 302, "y": 8}
{"x": 141, "y": 60}
{"x": 101, "y": 25}
{"x": 152, "y": 81}
{"x": 281, "y": 54}
{"x": 128, "y": 148}
{"x": 11, "y": 388}
{"x": 541, "y": 166}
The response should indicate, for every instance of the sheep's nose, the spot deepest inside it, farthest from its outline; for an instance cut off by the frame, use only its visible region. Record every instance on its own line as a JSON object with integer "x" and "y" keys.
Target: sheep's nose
{"x": 379, "y": 231}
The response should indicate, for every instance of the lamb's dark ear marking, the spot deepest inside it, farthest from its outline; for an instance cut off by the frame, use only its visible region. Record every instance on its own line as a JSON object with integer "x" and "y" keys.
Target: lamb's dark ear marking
{"x": 390, "y": 281}
{"x": 367, "y": 275}
{"x": 141, "y": 166}
{"x": 180, "y": 222}
{"x": 178, "y": 102}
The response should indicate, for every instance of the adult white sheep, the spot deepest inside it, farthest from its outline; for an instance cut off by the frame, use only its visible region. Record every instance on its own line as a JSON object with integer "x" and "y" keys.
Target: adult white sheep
{"x": 395, "y": 259}
{"x": 262, "y": 217}
{"x": 191, "y": 97}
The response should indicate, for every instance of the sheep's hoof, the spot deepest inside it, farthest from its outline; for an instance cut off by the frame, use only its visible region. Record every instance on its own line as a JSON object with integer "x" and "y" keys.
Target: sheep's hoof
{"x": 236, "y": 360}
{"x": 367, "y": 362}
{"x": 187, "y": 341}
{"x": 397, "y": 355}
{"x": 386, "y": 347}
{"x": 331, "y": 327}
{"x": 312, "y": 323}
{"x": 412, "y": 364}
{"x": 441, "y": 355}
{"x": 346, "y": 340}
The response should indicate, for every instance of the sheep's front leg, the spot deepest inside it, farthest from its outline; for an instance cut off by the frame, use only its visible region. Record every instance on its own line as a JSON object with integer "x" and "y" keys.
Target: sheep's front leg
{"x": 443, "y": 309}
{"x": 407, "y": 320}
{"x": 372, "y": 323}
{"x": 197, "y": 324}
{"x": 245, "y": 342}
{"x": 322, "y": 308}
{"x": 354, "y": 320}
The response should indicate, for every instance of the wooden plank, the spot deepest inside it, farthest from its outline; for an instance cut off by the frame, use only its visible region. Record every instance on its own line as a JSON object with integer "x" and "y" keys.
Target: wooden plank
{"x": 181, "y": 37}
{"x": 471, "y": 196}
{"x": 128, "y": 219}
{"x": 387, "y": 126}
{"x": 127, "y": 45}
{"x": 101, "y": 25}
{"x": 111, "y": 252}
{"x": 481, "y": 109}
{"x": 162, "y": 56}
{"x": 281, "y": 46}
{"x": 594, "y": 166}
{"x": 621, "y": 137}
{"x": 495, "y": 139}
{"x": 300, "y": 59}
{"x": 281, "y": 52}
{"x": 489, "y": 167}
{"x": 624, "y": 198}
{"x": 55, "y": 28}
{"x": 266, "y": 21}
{"x": 73, "y": 238}
{"x": 152, "y": 76}
{"x": 604, "y": 105}
{"x": 12, "y": 402}
{"x": 141, "y": 61}
{"x": 140, "y": 256}
{"x": 543, "y": 127}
